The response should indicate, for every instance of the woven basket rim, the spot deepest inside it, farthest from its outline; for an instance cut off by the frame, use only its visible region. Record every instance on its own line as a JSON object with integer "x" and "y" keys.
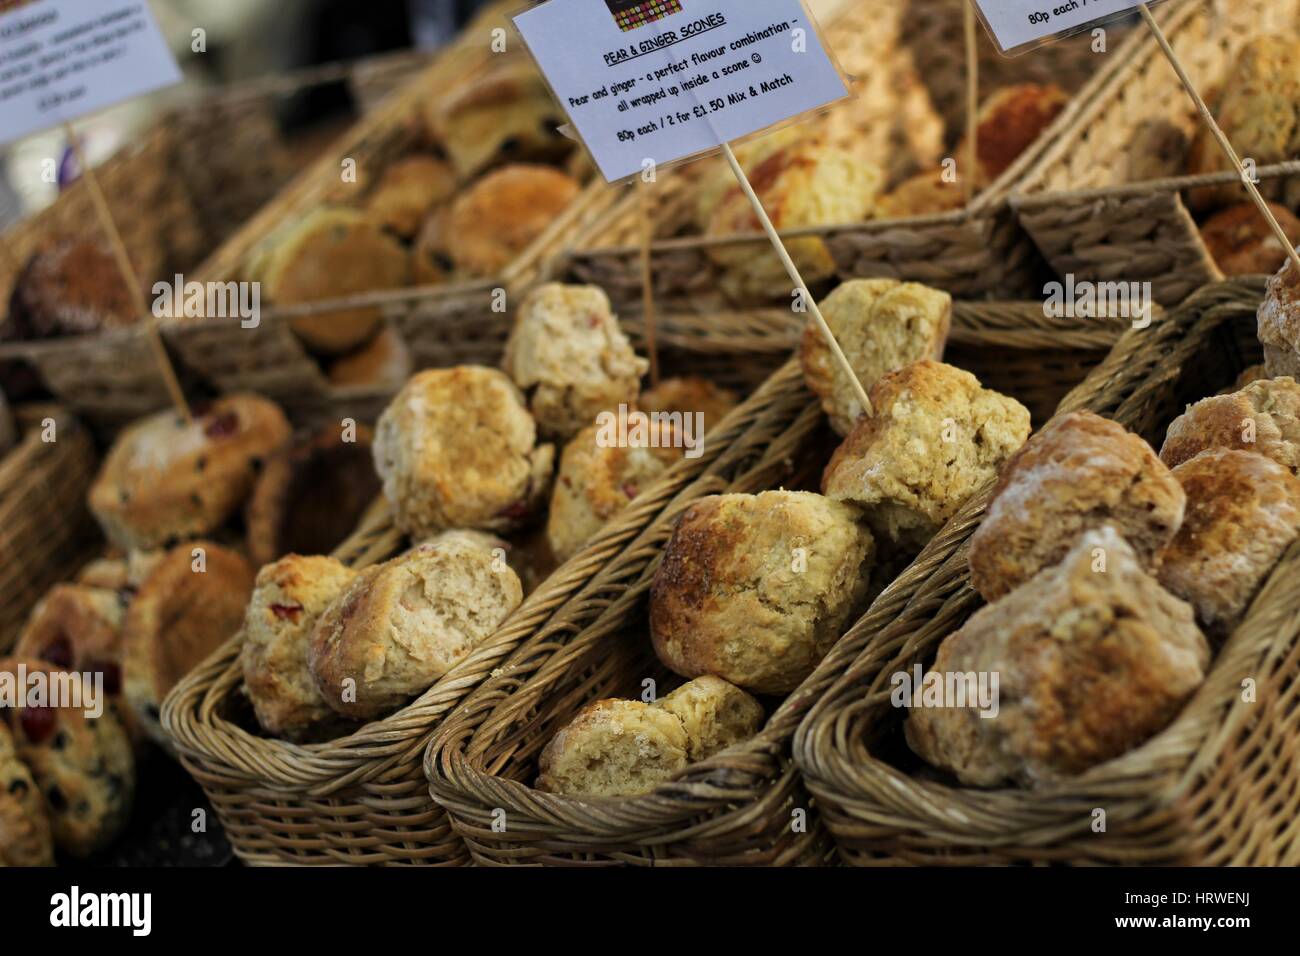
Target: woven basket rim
{"x": 1173, "y": 184}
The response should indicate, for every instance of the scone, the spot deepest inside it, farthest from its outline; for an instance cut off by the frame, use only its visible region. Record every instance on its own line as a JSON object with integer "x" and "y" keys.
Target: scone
{"x": 1242, "y": 243}
{"x": 1243, "y": 512}
{"x": 881, "y": 325}
{"x": 458, "y": 449}
{"x": 400, "y": 626}
{"x": 1090, "y": 665}
{"x": 689, "y": 396}
{"x": 25, "y": 838}
{"x": 311, "y": 495}
{"x": 614, "y": 748}
{"x": 756, "y": 588}
{"x": 289, "y": 596}
{"x": 714, "y": 714}
{"x": 71, "y": 287}
{"x": 383, "y": 362}
{"x": 935, "y": 438}
{"x": 1279, "y": 323}
{"x": 407, "y": 190}
{"x": 165, "y": 480}
{"x": 501, "y": 215}
{"x": 77, "y": 628}
{"x": 188, "y": 607}
{"x": 1263, "y": 417}
{"x": 1009, "y": 122}
{"x": 79, "y": 756}
{"x": 332, "y": 253}
{"x": 569, "y": 356}
{"x": 1080, "y": 472}
{"x": 925, "y": 194}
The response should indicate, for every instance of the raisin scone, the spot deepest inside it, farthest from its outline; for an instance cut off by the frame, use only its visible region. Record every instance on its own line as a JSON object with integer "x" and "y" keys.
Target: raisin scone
{"x": 457, "y": 448}
{"x": 614, "y": 748}
{"x": 289, "y": 596}
{"x": 935, "y": 437}
{"x": 1090, "y": 664}
{"x": 407, "y": 190}
{"x": 882, "y": 325}
{"x": 569, "y": 356}
{"x": 398, "y": 627}
{"x": 25, "y": 837}
{"x": 756, "y": 588}
{"x": 714, "y": 713}
{"x": 1263, "y": 417}
{"x": 166, "y": 480}
{"x": 1279, "y": 323}
{"x": 502, "y": 214}
{"x": 1080, "y": 472}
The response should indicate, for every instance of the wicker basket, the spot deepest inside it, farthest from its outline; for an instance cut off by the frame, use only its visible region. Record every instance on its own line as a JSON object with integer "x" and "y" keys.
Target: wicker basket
{"x": 736, "y": 807}
{"x": 1078, "y": 204}
{"x": 45, "y": 527}
{"x": 1221, "y": 785}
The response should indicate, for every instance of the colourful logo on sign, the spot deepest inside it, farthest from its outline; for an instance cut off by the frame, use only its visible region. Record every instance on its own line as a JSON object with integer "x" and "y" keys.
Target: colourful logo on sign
{"x": 631, "y": 14}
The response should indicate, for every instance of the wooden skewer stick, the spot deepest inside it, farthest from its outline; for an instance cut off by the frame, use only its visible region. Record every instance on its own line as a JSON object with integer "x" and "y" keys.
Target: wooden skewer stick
{"x": 971, "y": 178}
{"x": 1222, "y": 137}
{"x": 129, "y": 275}
{"x": 793, "y": 271}
{"x": 647, "y": 281}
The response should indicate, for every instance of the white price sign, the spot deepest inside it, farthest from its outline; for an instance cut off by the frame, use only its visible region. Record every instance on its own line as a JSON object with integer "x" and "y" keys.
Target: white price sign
{"x": 61, "y": 59}
{"x": 1018, "y": 25}
{"x": 655, "y": 81}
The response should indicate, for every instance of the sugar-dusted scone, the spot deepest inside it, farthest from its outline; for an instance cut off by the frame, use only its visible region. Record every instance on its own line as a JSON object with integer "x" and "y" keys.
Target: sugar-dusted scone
{"x": 614, "y": 748}
{"x": 687, "y": 396}
{"x": 71, "y": 287}
{"x": 407, "y": 190}
{"x": 165, "y": 480}
{"x": 25, "y": 838}
{"x": 569, "y": 356}
{"x": 400, "y": 626}
{"x": 882, "y": 325}
{"x": 79, "y": 756}
{"x": 1009, "y": 122}
{"x": 191, "y": 604}
{"x": 925, "y": 194}
{"x": 500, "y": 216}
{"x": 1263, "y": 417}
{"x": 1278, "y": 322}
{"x": 1243, "y": 512}
{"x": 1242, "y": 243}
{"x": 332, "y": 253}
{"x": 1090, "y": 664}
{"x": 383, "y": 362}
{"x": 714, "y": 714}
{"x": 935, "y": 438}
{"x": 288, "y": 598}
{"x": 1079, "y": 472}
{"x": 756, "y": 588}
{"x": 458, "y": 449}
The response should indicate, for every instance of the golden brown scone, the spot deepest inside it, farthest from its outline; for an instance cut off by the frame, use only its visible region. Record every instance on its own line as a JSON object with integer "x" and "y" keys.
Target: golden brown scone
{"x": 502, "y": 214}
{"x": 165, "y": 480}
{"x": 1279, "y": 323}
{"x": 1009, "y": 122}
{"x": 25, "y": 838}
{"x": 77, "y": 628}
{"x": 311, "y": 495}
{"x": 935, "y": 438}
{"x": 332, "y": 253}
{"x": 458, "y": 449}
{"x": 400, "y": 626}
{"x": 288, "y": 598}
{"x": 190, "y": 605}
{"x": 407, "y": 190}
{"x": 714, "y": 714}
{"x": 686, "y": 396}
{"x": 1081, "y": 471}
{"x": 1242, "y": 243}
{"x": 613, "y": 748}
{"x": 925, "y": 194}
{"x": 1090, "y": 664}
{"x": 756, "y": 588}
{"x": 383, "y": 362}
{"x": 71, "y": 287}
{"x": 882, "y": 325}
{"x": 1243, "y": 512}
{"x": 569, "y": 356}
{"x": 79, "y": 756}
{"x": 1263, "y": 417}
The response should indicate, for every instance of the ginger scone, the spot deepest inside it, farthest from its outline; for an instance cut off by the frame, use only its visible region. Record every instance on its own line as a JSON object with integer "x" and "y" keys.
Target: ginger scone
{"x": 407, "y": 190}
{"x": 935, "y": 437}
{"x": 289, "y": 596}
{"x": 25, "y": 837}
{"x": 714, "y": 714}
{"x": 1263, "y": 417}
{"x": 1278, "y": 322}
{"x": 191, "y": 604}
{"x": 166, "y": 480}
{"x": 1009, "y": 122}
{"x": 614, "y": 748}
{"x": 500, "y": 216}
{"x": 1243, "y": 512}
{"x": 457, "y": 448}
{"x": 568, "y": 355}
{"x": 1242, "y": 243}
{"x": 1089, "y": 664}
{"x": 756, "y": 588}
{"x": 1078, "y": 473}
{"x": 881, "y": 325}
{"x": 689, "y": 396}
{"x": 78, "y": 753}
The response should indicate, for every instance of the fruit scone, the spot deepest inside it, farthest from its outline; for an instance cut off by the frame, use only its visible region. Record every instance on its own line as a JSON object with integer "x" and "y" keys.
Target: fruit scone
{"x": 25, "y": 837}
